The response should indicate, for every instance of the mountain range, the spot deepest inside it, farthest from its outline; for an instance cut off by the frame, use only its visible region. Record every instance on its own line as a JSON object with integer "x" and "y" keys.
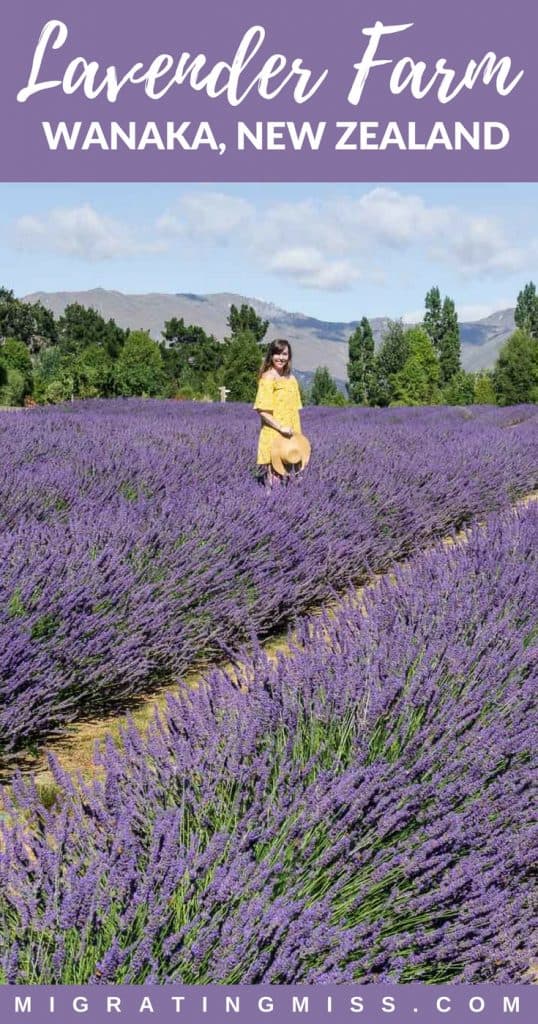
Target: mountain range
{"x": 315, "y": 342}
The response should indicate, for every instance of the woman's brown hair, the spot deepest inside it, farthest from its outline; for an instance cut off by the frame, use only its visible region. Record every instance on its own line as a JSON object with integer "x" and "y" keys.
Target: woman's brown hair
{"x": 275, "y": 348}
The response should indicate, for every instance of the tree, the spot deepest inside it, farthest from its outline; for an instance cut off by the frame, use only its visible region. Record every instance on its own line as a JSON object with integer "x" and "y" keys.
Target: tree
{"x": 15, "y": 355}
{"x": 79, "y": 327}
{"x": 139, "y": 367}
{"x": 53, "y": 380}
{"x": 417, "y": 383}
{"x": 45, "y": 328}
{"x": 390, "y": 360}
{"x": 526, "y": 311}
{"x": 484, "y": 391}
{"x": 17, "y": 372}
{"x": 13, "y": 390}
{"x": 323, "y": 390}
{"x": 433, "y": 316}
{"x": 60, "y": 390}
{"x": 16, "y": 320}
{"x": 449, "y": 345}
{"x": 30, "y": 322}
{"x": 246, "y": 319}
{"x": 178, "y": 334}
{"x": 93, "y": 373}
{"x": 360, "y": 368}
{"x": 192, "y": 358}
{"x": 460, "y": 389}
{"x": 441, "y": 324}
{"x": 50, "y": 363}
{"x": 515, "y": 377}
{"x": 242, "y": 359}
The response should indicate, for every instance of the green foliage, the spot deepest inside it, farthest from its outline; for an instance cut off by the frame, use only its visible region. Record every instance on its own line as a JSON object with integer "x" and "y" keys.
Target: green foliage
{"x": 186, "y": 393}
{"x": 242, "y": 358}
{"x": 139, "y": 368}
{"x": 515, "y": 377}
{"x": 323, "y": 390}
{"x": 417, "y": 383}
{"x": 389, "y": 361}
{"x": 526, "y": 312}
{"x": 16, "y": 380}
{"x": 192, "y": 359}
{"x": 50, "y": 364}
{"x": 93, "y": 372}
{"x": 59, "y": 390}
{"x": 460, "y": 389}
{"x": 14, "y": 388}
{"x": 80, "y": 327}
{"x": 432, "y": 321}
{"x": 53, "y": 380}
{"x": 16, "y": 320}
{"x": 449, "y": 346}
{"x": 30, "y": 322}
{"x": 441, "y": 324}
{"x": 360, "y": 368}
{"x": 246, "y": 319}
{"x": 484, "y": 391}
{"x": 85, "y": 356}
{"x": 177, "y": 334}
{"x": 16, "y": 608}
{"x": 14, "y": 353}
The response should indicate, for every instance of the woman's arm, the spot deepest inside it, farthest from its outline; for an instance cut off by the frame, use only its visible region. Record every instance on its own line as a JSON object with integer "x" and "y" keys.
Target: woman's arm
{"x": 270, "y": 421}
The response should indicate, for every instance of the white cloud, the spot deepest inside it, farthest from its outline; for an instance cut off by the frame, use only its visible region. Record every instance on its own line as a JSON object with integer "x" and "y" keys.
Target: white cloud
{"x": 80, "y": 232}
{"x": 389, "y": 218}
{"x": 310, "y": 268}
{"x": 306, "y": 223}
{"x": 329, "y": 244}
{"x": 208, "y": 216}
{"x": 325, "y": 243}
{"x": 482, "y": 246}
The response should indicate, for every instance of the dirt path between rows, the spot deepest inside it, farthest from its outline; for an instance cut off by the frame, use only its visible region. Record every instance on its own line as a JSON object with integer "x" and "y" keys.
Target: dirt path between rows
{"x": 75, "y": 751}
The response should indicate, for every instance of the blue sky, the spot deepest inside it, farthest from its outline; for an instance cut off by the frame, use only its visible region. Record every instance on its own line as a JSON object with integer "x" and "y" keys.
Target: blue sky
{"x": 333, "y": 251}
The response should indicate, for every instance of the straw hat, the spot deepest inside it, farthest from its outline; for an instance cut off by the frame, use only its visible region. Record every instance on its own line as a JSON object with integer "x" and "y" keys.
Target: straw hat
{"x": 289, "y": 451}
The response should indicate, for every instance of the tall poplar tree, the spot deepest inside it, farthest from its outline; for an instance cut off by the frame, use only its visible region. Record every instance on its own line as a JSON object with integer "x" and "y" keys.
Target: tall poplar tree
{"x": 441, "y": 323}
{"x": 526, "y": 311}
{"x": 449, "y": 345}
{"x": 360, "y": 368}
{"x": 433, "y": 316}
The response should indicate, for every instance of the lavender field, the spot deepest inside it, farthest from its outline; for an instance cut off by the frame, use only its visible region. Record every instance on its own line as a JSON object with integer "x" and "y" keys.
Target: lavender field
{"x": 360, "y": 810}
{"x": 136, "y": 543}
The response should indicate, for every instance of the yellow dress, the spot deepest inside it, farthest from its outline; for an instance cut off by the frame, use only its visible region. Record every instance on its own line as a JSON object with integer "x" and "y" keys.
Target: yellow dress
{"x": 281, "y": 397}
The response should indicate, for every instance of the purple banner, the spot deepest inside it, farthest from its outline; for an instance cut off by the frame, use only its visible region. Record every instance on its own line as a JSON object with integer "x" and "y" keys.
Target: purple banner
{"x": 213, "y": 1004}
{"x": 355, "y": 90}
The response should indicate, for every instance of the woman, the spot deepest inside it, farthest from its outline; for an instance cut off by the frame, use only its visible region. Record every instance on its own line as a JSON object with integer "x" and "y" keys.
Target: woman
{"x": 278, "y": 401}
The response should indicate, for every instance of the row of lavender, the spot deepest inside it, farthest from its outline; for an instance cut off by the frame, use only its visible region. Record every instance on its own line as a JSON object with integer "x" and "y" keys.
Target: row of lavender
{"x": 359, "y": 811}
{"x": 134, "y": 539}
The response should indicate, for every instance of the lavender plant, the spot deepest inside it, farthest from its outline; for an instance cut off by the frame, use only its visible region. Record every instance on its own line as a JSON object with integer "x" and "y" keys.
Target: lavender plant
{"x": 358, "y": 811}
{"x": 135, "y": 542}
